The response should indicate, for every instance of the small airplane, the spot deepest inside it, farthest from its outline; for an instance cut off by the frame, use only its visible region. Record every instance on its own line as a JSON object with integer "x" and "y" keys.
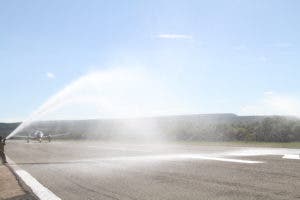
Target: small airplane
{"x": 39, "y": 136}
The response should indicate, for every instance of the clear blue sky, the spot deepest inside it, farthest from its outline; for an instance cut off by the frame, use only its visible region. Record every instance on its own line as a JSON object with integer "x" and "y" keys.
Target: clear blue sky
{"x": 222, "y": 56}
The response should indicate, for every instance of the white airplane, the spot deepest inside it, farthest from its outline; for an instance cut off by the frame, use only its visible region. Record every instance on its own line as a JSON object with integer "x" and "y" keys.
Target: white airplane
{"x": 39, "y": 136}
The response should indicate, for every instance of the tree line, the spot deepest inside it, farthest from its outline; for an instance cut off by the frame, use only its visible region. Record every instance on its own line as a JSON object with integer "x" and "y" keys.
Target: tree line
{"x": 213, "y": 127}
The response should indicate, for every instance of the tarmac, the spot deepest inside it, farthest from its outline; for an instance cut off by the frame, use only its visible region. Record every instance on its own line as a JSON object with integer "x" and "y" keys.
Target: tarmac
{"x": 99, "y": 170}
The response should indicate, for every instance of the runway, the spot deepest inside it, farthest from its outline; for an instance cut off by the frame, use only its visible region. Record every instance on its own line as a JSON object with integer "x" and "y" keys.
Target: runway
{"x": 102, "y": 170}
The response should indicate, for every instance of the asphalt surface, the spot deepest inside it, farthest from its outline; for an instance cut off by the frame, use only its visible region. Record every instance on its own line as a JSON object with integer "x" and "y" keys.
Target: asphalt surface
{"x": 98, "y": 170}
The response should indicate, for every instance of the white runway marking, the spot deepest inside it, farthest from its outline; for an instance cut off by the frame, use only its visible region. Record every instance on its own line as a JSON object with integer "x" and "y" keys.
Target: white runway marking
{"x": 195, "y": 157}
{"x": 292, "y": 156}
{"x": 173, "y": 157}
{"x": 263, "y": 152}
{"x": 118, "y": 148}
{"x": 221, "y": 159}
{"x": 37, "y": 188}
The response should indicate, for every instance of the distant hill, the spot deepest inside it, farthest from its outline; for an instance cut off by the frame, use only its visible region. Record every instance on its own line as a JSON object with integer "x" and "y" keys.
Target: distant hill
{"x": 6, "y": 128}
{"x": 196, "y": 127}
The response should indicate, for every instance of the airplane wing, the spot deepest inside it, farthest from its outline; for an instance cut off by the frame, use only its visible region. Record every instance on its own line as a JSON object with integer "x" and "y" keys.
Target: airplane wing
{"x": 58, "y": 135}
{"x": 22, "y": 136}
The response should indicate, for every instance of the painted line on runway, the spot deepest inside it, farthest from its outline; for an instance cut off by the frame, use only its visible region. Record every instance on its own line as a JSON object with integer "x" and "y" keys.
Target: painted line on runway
{"x": 37, "y": 188}
{"x": 118, "y": 148}
{"x": 284, "y": 152}
{"x": 201, "y": 157}
{"x": 264, "y": 152}
{"x": 291, "y": 156}
{"x": 173, "y": 157}
{"x": 223, "y": 159}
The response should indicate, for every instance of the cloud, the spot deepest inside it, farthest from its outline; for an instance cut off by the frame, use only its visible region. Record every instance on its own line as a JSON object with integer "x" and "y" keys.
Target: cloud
{"x": 268, "y": 92}
{"x": 273, "y": 104}
{"x": 50, "y": 75}
{"x": 174, "y": 36}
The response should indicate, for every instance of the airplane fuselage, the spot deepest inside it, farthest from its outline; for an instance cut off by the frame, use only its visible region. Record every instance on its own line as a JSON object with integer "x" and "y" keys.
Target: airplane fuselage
{"x": 39, "y": 136}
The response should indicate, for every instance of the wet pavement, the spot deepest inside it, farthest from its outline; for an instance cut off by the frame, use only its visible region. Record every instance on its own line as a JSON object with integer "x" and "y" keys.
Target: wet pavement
{"x": 98, "y": 170}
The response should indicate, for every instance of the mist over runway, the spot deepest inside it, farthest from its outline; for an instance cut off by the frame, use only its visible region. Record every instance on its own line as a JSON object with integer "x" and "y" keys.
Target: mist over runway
{"x": 106, "y": 170}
